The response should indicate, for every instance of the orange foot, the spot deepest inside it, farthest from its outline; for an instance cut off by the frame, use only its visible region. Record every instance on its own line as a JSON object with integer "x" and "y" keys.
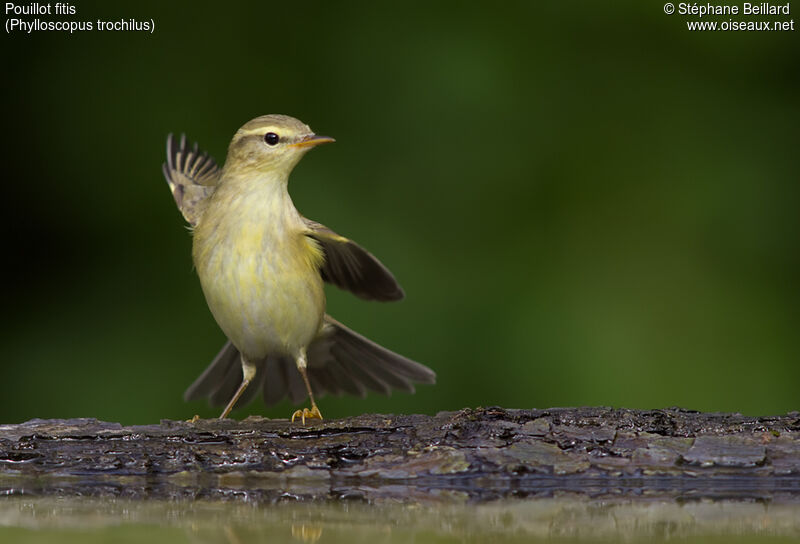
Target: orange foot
{"x": 306, "y": 413}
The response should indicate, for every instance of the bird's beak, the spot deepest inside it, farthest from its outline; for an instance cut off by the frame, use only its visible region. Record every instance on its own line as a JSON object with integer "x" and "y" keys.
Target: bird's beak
{"x": 312, "y": 140}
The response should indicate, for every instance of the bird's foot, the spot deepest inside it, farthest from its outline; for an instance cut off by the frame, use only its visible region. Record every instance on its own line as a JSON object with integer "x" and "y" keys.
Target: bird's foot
{"x": 195, "y": 419}
{"x": 313, "y": 413}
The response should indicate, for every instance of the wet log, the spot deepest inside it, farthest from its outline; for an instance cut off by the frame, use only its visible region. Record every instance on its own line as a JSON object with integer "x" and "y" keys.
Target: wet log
{"x": 479, "y": 454}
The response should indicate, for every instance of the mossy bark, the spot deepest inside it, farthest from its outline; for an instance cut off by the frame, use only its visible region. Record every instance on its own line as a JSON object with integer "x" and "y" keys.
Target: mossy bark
{"x": 480, "y": 454}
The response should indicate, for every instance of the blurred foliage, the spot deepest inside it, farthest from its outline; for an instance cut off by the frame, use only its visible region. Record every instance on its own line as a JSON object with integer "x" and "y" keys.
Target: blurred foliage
{"x": 585, "y": 202}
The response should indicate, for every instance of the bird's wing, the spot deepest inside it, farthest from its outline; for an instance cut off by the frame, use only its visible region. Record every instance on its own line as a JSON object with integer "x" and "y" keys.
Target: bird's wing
{"x": 351, "y": 267}
{"x": 192, "y": 177}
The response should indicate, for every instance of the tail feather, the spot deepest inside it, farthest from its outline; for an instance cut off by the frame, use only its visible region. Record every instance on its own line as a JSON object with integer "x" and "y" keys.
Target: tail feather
{"x": 344, "y": 379}
{"x": 339, "y": 361}
{"x": 227, "y": 387}
{"x": 322, "y": 380}
{"x": 380, "y": 356}
{"x": 376, "y": 366}
{"x": 393, "y": 381}
{"x": 296, "y": 388}
{"x": 254, "y": 389}
{"x": 274, "y": 384}
{"x": 226, "y": 361}
{"x": 360, "y": 372}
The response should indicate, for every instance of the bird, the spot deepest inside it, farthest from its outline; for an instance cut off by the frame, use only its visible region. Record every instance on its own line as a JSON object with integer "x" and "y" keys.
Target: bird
{"x": 262, "y": 266}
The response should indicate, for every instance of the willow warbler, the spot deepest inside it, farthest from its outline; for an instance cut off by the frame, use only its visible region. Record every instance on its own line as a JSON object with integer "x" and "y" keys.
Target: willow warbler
{"x": 262, "y": 266}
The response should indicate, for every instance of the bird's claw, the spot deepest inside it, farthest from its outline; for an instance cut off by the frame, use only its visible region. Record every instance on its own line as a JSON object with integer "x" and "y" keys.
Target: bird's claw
{"x": 313, "y": 413}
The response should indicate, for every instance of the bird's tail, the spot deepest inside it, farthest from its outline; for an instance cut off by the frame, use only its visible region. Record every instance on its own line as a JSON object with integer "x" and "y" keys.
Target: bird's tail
{"x": 340, "y": 361}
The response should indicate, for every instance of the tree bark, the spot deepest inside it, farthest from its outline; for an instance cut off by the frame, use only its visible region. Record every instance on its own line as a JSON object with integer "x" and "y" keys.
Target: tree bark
{"x": 481, "y": 454}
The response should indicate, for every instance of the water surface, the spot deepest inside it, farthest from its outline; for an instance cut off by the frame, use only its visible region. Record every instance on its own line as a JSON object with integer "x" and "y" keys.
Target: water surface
{"x": 448, "y": 518}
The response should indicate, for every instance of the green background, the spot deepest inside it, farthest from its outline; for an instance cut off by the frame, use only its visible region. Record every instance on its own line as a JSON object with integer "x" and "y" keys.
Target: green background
{"x": 585, "y": 202}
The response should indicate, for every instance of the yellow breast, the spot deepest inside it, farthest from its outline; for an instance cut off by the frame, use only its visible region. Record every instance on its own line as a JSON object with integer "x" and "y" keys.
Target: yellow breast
{"x": 259, "y": 273}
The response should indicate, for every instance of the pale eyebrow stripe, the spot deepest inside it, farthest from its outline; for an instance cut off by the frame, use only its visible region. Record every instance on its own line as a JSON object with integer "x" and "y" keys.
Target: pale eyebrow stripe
{"x": 258, "y": 131}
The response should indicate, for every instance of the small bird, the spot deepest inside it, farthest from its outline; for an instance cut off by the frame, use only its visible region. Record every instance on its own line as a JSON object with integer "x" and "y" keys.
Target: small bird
{"x": 262, "y": 266}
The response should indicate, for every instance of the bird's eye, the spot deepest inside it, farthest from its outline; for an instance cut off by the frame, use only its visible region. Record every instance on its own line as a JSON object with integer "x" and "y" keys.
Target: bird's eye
{"x": 271, "y": 138}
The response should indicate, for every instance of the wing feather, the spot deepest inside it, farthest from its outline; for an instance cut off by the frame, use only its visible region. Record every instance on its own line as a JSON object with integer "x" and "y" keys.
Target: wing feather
{"x": 352, "y": 268}
{"x": 192, "y": 176}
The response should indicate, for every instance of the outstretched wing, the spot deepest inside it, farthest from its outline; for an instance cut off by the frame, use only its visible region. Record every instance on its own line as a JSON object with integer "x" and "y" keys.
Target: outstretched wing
{"x": 351, "y": 267}
{"x": 192, "y": 177}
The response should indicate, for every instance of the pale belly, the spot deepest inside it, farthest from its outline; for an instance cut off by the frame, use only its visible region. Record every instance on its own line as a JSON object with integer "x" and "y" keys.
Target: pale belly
{"x": 266, "y": 295}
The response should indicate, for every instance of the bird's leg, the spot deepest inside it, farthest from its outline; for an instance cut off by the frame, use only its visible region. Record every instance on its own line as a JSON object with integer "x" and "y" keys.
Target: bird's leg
{"x": 314, "y": 413}
{"x": 248, "y": 373}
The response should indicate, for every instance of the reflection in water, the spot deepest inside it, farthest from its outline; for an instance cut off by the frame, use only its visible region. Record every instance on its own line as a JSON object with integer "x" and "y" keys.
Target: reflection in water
{"x": 566, "y": 518}
{"x": 307, "y": 533}
{"x": 231, "y": 536}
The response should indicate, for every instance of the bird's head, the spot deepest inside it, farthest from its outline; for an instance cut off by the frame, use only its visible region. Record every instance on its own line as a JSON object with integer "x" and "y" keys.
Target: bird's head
{"x": 271, "y": 143}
